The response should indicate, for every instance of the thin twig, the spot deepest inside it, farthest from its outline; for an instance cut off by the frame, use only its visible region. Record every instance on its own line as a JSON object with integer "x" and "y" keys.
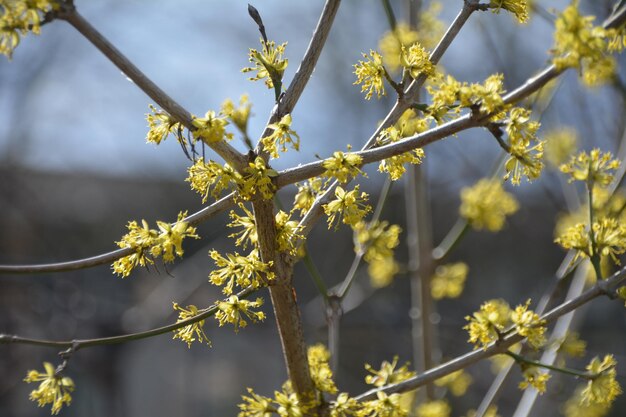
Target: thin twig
{"x": 112, "y": 340}
{"x": 196, "y": 218}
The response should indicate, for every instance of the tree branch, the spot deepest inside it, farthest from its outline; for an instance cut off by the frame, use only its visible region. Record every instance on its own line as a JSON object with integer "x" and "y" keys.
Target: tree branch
{"x": 230, "y": 154}
{"x": 604, "y": 287}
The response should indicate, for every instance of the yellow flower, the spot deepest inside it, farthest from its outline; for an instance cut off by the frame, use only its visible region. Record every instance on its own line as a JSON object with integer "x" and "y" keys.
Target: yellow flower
{"x": 238, "y": 115}
{"x": 243, "y": 271}
{"x": 20, "y": 17}
{"x": 269, "y": 63}
{"x": 560, "y": 144}
{"x": 349, "y": 207}
{"x": 382, "y": 271}
{"x": 258, "y": 179}
{"x": 256, "y": 405}
{"x": 318, "y": 357}
{"x": 525, "y": 149}
{"x": 448, "y": 280}
{"x": 371, "y": 73}
{"x": 488, "y": 95}
{"x": 161, "y": 125}
{"x": 457, "y": 382}
{"x": 394, "y": 166}
{"x": 211, "y": 178}
{"x": 594, "y": 167}
{"x": 344, "y": 406}
{"x": 376, "y": 240}
{"x": 486, "y": 205}
{"x": 602, "y": 387}
{"x": 388, "y": 374}
{"x": 210, "y": 128}
{"x": 236, "y": 311}
{"x": 288, "y": 404}
{"x": 581, "y": 45}
{"x": 573, "y": 346}
{"x": 573, "y": 407}
{"x": 248, "y": 235}
{"x": 342, "y": 166}
{"x": 170, "y": 238}
{"x": 437, "y": 408}
{"x": 384, "y": 406}
{"x": 518, "y": 7}
{"x": 534, "y": 378}
{"x": 306, "y": 195}
{"x": 53, "y": 389}
{"x": 281, "y": 136}
{"x": 416, "y": 61}
{"x": 529, "y": 324}
{"x": 609, "y": 237}
{"x": 486, "y": 324}
{"x": 192, "y": 332}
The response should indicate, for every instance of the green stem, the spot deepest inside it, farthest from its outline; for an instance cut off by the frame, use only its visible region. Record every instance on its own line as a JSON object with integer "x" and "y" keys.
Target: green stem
{"x": 568, "y": 371}
{"x": 315, "y": 274}
{"x": 595, "y": 259}
{"x": 449, "y": 242}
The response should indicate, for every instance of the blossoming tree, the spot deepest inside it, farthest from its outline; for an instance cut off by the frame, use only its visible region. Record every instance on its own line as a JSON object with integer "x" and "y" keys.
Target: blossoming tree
{"x": 430, "y": 106}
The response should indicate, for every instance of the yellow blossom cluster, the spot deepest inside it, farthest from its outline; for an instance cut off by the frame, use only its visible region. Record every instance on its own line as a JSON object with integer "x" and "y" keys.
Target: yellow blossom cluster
{"x": 529, "y": 324}
{"x": 533, "y": 377}
{"x": 581, "y": 45}
{"x": 602, "y": 387}
{"x": 376, "y": 241}
{"x": 342, "y": 166}
{"x": 269, "y": 64}
{"x": 486, "y": 325}
{"x": 160, "y": 124}
{"x": 518, "y": 7}
{"x": 573, "y": 407}
{"x": 148, "y": 244}
{"x": 238, "y": 116}
{"x": 449, "y": 95}
{"x": 19, "y": 17}
{"x": 416, "y": 61}
{"x": 243, "y": 271}
{"x": 436, "y": 408}
{"x": 371, "y": 73}
{"x": 486, "y": 205}
{"x": 495, "y": 316}
{"x": 394, "y": 166}
{"x": 53, "y": 388}
{"x": 211, "y": 128}
{"x": 348, "y": 207}
{"x": 212, "y": 178}
{"x": 388, "y": 374}
{"x": 193, "y": 331}
{"x": 525, "y": 149}
{"x": 595, "y": 167}
{"x": 448, "y": 280}
{"x": 280, "y": 137}
{"x": 306, "y": 195}
{"x": 318, "y": 358}
{"x": 428, "y": 31}
{"x": 560, "y": 144}
{"x": 236, "y": 311}
{"x": 607, "y": 237}
{"x": 457, "y": 382}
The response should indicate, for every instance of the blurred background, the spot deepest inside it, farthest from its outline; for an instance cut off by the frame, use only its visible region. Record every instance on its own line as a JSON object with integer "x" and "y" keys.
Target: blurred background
{"x": 75, "y": 168}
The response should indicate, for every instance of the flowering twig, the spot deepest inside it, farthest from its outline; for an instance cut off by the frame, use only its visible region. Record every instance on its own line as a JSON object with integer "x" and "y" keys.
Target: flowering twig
{"x": 604, "y": 287}
{"x": 230, "y": 154}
